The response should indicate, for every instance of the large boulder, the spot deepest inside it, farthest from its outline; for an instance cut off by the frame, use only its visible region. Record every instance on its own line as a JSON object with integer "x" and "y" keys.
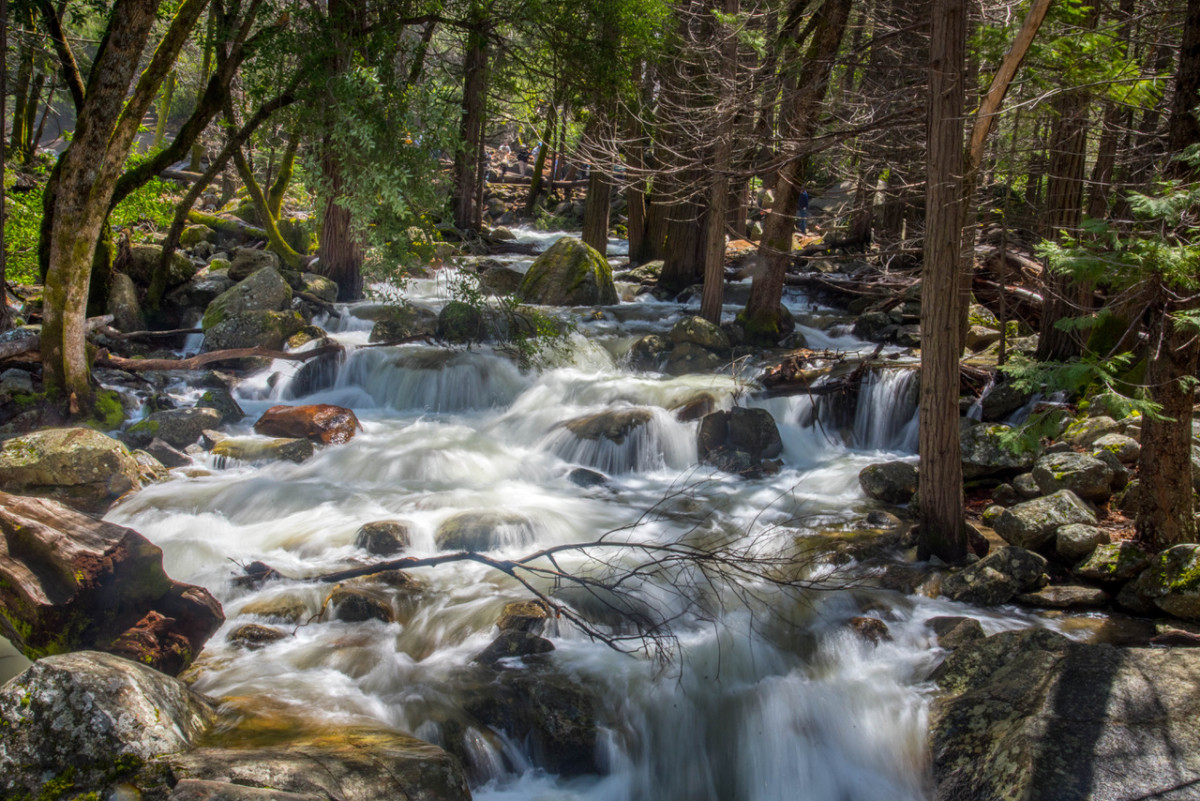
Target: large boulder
{"x": 1171, "y": 583}
{"x": 1031, "y": 715}
{"x": 1001, "y": 401}
{"x": 569, "y": 273}
{"x": 483, "y": 531}
{"x": 648, "y": 352}
{"x": 176, "y": 427}
{"x": 1113, "y": 563}
{"x": 323, "y": 423}
{"x": 611, "y": 425}
{"x": 997, "y": 578}
{"x": 86, "y": 719}
{"x": 1086, "y": 476}
{"x": 1085, "y": 432}
{"x": 264, "y": 290}
{"x": 984, "y": 453}
{"x": 395, "y": 323}
{"x": 248, "y": 261}
{"x": 1076, "y": 541}
{"x": 258, "y": 449}
{"x": 383, "y": 537}
{"x": 253, "y": 329}
{"x": 353, "y": 765}
{"x": 698, "y": 331}
{"x": 890, "y": 482}
{"x": 1034, "y": 523}
{"x": 738, "y": 440}
{"x": 144, "y": 260}
{"x": 123, "y": 304}
{"x": 78, "y": 466}
{"x": 461, "y": 323}
{"x": 1125, "y": 449}
{"x": 69, "y": 582}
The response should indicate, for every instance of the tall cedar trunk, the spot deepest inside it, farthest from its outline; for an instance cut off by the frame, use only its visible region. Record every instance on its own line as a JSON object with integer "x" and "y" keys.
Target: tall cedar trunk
{"x": 654, "y": 244}
{"x": 1166, "y": 510}
{"x": 21, "y": 96}
{"x": 466, "y": 160}
{"x": 340, "y": 253}
{"x": 5, "y": 320}
{"x": 595, "y": 212}
{"x": 683, "y": 251}
{"x": 104, "y": 134}
{"x": 197, "y": 155}
{"x": 760, "y": 319}
{"x": 943, "y": 531}
{"x": 718, "y": 192}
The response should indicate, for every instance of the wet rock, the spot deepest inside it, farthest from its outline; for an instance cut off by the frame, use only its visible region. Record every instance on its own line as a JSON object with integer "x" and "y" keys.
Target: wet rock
{"x": 70, "y": 582}
{"x": 984, "y": 454}
{"x": 514, "y": 643}
{"x": 695, "y": 408}
{"x": 247, "y": 261}
{"x": 980, "y": 338}
{"x": 1113, "y": 563}
{"x": 997, "y": 578}
{"x": 322, "y": 423}
{"x": 553, "y": 714}
{"x": 688, "y": 359}
{"x": 77, "y": 466}
{"x": 583, "y": 477}
{"x": 222, "y": 400}
{"x": 264, "y": 291}
{"x": 356, "y": 603}
{"x": 569, "y": 273}
{"x": 1083, "y": 433}
{"x": 649, "y": 352}
{"x": 253, "y": 636}
{"x": 1026, "y": 486}
{"x": 316, "y": 375}
{"x": 529, "y": 616}
{"x": 1084, "y": 475}
{"x": 890, "y": 482}
{"x": 351, "y": 765}
{"x": 123, "y": 304}
{"x": 749, "y": 431}
{"x": 253, "y": 329}
{"x": 501, "y": 280}
{"x": 614, "y": 426}
{"x": 1120, "y": 473}
{"x": 1126, "y": 449}
{"x": 1033, "y": 523}
{"x": 461, "y": 323}
{"x": 1065, "y": 596}
{"x": 954, "y": 632}
{"x": 176, "y": 427}
{"x": 165, "y": 455}
{"x": 1170, "y": 583}
{"x": 1001, "y": 401}
{"x": 86, "y": 716}
{"x": 144, "y": 260}
{"x": 1076, "y": 541}
{"x": 383, "y": 537}
{"x": 1034, "y": 716}
{"x": 698, "y": 331}
{"x": 193, "y": 235}
{"x": 289, "y": 607}
{"x": 483, "y": 531}
{"x": 874, "y": 326}
{"x": 150, "y": 470}
{"x": 318, "y": 286}
{"x": 394, "y": 323}
{"x": 254, "y": 449}
{"x": 871, "y": 629}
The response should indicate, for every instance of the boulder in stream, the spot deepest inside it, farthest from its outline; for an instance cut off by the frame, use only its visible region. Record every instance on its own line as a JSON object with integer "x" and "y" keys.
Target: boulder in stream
{"x": 323, "y": 423}
{"x": 258, "y": 449}
{"x": 1034, "y": 523}
{"x": 739, "y": 440}
{"x": 383, "y": 537}
{"x": 1113, "y": 563}
{"x": 1171, "y": 583}
{"x": 569, "y": 273}
{"x": 253, "y": 329}
{"x": 1032, "y": 715}
{"x": 890, "y": 482}
{"x": 69, "y": 582}
{"x": 984, "y": 453}
{"x": 997, "y": 578}
{"x": 77, "y": 466}
{"x": 263, "y": 291}
{"x": 176, "y": 427}
{"x": 483, "y": 531}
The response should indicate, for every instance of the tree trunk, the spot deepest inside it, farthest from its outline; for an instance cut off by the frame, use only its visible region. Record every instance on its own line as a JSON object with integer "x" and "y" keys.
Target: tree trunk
{"x": 340, "y": 253}
{"x": 474, "y": 89}
{"x": 164, "y": 111}
{"x": 595, "y": 212}
{"x": 943, "y": 532}
{"x": 5, "y": 319}
{"x": 683, "y": 253}
{"x": 539, "y": 163}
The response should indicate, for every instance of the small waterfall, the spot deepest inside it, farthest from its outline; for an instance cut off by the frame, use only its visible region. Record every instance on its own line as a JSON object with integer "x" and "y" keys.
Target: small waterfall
{"x": 640, "y": 440}
{"x": 438, "y": 380}
{"x": 886, "y": 417}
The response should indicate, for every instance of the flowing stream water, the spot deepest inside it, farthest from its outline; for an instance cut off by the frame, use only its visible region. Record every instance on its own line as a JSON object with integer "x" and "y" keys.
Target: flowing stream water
{"x": 760, "y": 704}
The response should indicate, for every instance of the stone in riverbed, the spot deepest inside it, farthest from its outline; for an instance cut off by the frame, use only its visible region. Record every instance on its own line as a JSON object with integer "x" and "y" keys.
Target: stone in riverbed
{"x": 176, "y": 427}
{"x": 569, "y": 273}
{"x": 383, "y": 537}
{"x": 997, "y": 578}
{"x": 253, "y": 636}
{"x": 890, "y": 482}
{"x": 1076, "y": 541}
{"x": 264, "y": 291}
{"x": 1034, "y": 523}
{"x": 1065, "y": 596}
{"x": 514, "y": 643}
{"x": 1171, "y": 583}
{"x": 614, "y": 426}
{"x": 954, "y": 632}
{"x": 78, "y": 466}
{"x": 984, "y": 454}
{"x": 322, "y": 423}
{"x": 1113, "y": 563}
{"x": 483, "y": 531}
{"x": 530, "y": 616}
{"x": 254, "y": 449}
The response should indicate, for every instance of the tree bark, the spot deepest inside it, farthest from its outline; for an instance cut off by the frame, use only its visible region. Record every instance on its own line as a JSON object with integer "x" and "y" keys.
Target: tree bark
{"x": 943, "y": 532}
{"x": 595, "y": 212}
{"x": 474, "y": 91}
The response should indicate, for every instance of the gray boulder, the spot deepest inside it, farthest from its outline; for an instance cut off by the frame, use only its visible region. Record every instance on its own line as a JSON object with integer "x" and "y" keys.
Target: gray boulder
{"x": 264, "y": 449}
{"x": 698, "y": 331}
{"x": 483, "y": 531}
{"x": 1031, "y": 715}
{"x": 263, "y": 291}
{"x": 648, "y": 352}
{"x": 176, "y": 427}
{"x": 1026, "y": 486}
{"x": 222, "y": 400}
{"x": 77, "y": 466}
{"x": 1065, "y": 596}
{"x": 997, "y": 578}
{"x": 1171, "y": 583}
{"x": 890, "y": 482}
{"x": 613, "y": 425}
{"x": 394, "y": 323}
{"x": 1032, "y": 524}
{"x": 319, "y": 286}
{"x": 123, "y": 304}
{"x": 569, "y": 273}
{"x": 1086, "y": 476}
{"x": 383, "y": 537}
{"x": 144, "y": 259}
{"x": 1125, "y": 449}
{"x": 1083, "y": 433}
{"x": 738, "y": 440}
{"x": 248, "y": 261}
{"x": 1076, "y": 541}
{"x": 1113, "y": 563}
{"x": 1001, "y": 401}
{"x": 253, "y": 329}
{"x": 983, "y": 453}
{"x": 201, "y": 291}
{"x": 78, "y": 717}
{"x": 953, "y": 632}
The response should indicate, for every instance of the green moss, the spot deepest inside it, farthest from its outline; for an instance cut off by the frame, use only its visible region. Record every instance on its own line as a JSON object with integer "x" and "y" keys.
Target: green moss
{"x": 107, "y": 411}
{"x": 145, "y": 427}
{"x": 58, "y": 787}
{"x": 761, "y": 329}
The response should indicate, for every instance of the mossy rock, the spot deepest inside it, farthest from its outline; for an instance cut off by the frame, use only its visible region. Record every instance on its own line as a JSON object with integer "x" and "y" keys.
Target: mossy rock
{"x": 144, "y": 259}
{"x": 461, "y": 323}
{"x": 264, "y": 290}
{"x": 78, "y": 466}
{"x": 251, "y": 329}
{"x": 195, "y": 234}
{"x": 569, "y": 273}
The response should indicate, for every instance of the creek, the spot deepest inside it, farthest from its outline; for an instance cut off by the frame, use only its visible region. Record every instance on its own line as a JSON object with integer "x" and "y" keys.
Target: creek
{"x": 759, "y": 704}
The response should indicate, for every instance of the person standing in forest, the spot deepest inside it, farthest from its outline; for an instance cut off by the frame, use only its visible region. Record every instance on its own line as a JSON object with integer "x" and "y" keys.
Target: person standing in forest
{"x": 802, "y": 211}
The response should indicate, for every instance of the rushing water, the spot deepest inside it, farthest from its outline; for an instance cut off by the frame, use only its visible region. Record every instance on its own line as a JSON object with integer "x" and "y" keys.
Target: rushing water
{"x": 760, "y": 705}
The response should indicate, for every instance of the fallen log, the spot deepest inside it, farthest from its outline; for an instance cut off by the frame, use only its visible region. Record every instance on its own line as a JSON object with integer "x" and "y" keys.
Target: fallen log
{"x": 106, "y": 359}
{"x": 184, "y": 176}
{"x": 18, "y": 346}
{"x": 113, "y": 333}
{"x": 227, "y": 225}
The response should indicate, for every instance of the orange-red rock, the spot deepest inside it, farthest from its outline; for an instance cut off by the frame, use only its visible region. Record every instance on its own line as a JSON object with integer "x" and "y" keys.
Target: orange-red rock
{"x": 320, "y": 422}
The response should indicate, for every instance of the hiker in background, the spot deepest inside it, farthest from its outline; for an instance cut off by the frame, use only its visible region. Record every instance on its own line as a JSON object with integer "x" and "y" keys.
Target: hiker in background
{"x": 802, "y": 211}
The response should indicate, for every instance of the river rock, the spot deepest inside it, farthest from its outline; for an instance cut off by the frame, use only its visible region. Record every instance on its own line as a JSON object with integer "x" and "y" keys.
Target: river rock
{"x": 614, "y": 426}
{"x": 874, "y": 326}
{"x": 689, "y": 359}
{"x": 997, "y": 578}
{"x": 890, "y": 482}
{"x": 461, "y": 323}
{"x": 351, "y": 765}
{"x": 164, "y": 454}
{"x": 319, "y": 287}
{"x": 1076, "y": 541}
{"x": 569, "y": 273}
{"x": 85, "y": 718}
{"x": 13, "y": 382}
{"x": 257, "y": 449}
{"x": 1001, "y": 401}
{"x": 724, "y": 434}
{"x": 1031, "y": 715}
{"x": 1083, "y": 433}
{"x": 253, "y": 329}
{"x": 263, "y": 291}
{"x": 1084, "y": 475}
{"x": 222, "y": 400}
{"x": 193, "y": 235}
{"x": 483, "y": 531}
{"x": 287, "y": 606}
{"x": 700, "y": 332}
{"x": 247, "y": 261}
{"x": 648, "y": 352}
{"x": 695, "y": 408}
{"x": 383, "y": 537}
{"x": 530, "y": 616}
{"x": 176, "y": 427}
{"x": 69, "y": 582}
{"x": 1033, "y": 523}
{"x": 583, "y": 477}
{"x": 954, "y": 632}
{"x": 1170, "y": 583}
{"x": 1113, "y": 563}
{"x": 356, "y": 602}
{"x": 514, "y": 643}
{"x": 1065, "y": 596}
{"x": 144, "y": 260}
{"x": 322, "y": 423}
{"x": 253, "y": 636}
{"x": 1125, "y": 449}
{"x": 501, "y": 280}
{"x": 123, "y": 304}
{"x": 984, "y": 454}
{"x": 871, "y": 629}
{"x": 78, "y": 466}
